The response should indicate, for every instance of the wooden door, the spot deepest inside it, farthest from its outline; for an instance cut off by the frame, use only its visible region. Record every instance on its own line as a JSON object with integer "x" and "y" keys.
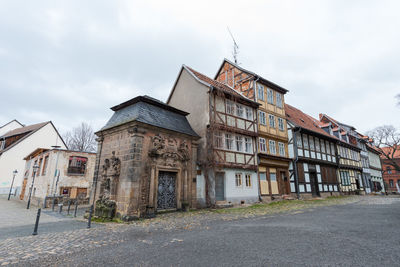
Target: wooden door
{"x": 284, "y": 183}
{"x": 220, "y": 186}
{"x": 314, "y": 184}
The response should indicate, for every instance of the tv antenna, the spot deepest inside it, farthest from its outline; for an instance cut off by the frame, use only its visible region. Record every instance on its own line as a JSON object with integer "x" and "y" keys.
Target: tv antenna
{"x": 235, "y": 47}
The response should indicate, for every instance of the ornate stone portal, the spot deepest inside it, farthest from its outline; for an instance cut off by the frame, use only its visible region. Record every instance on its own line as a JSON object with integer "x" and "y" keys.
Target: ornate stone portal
{"x": 106, "y": 204}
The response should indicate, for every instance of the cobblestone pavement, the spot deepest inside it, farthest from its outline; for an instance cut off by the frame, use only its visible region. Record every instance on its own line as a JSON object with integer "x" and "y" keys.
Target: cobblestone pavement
{"x": 34, "y": 250}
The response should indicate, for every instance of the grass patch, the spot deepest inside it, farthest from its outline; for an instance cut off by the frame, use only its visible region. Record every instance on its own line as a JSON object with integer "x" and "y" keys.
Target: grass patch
{"x": 105, "y": 220}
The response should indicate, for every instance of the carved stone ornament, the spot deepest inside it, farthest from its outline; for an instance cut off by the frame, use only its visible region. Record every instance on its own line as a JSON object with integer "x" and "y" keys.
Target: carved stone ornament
{"x": 105, "y": 205}
{"x": 168, "y": 150}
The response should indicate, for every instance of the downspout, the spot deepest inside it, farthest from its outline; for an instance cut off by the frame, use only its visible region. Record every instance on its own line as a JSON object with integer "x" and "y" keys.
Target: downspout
{"x": 96, "y": 171}
{"x": 256, "y": 143}
{"x": 296, "y": 159}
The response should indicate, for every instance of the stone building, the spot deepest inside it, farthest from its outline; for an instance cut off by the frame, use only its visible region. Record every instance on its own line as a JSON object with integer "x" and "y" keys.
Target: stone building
{"x": 145, "y": 161}
{"x": 62, "y": 174}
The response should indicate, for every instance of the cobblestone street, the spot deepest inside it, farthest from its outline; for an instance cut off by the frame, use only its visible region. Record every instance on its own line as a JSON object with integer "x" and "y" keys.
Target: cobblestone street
{"x": 70, "y": 237}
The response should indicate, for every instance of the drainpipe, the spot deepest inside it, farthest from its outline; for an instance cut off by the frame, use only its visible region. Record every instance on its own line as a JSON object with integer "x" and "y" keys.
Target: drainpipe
{"x": 296, "y": 158}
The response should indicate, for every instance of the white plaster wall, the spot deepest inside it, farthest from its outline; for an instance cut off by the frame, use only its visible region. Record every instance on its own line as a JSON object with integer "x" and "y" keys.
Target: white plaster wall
{"x": 45, "y": 184}
{"x": 13, "y": 159}
{"x": 9, "y": 127}
{"x": 374, "y": 160}
{"x": 201, "y": 190}
{"x": 236, "y": 194}
{"x": 290, "y": 146}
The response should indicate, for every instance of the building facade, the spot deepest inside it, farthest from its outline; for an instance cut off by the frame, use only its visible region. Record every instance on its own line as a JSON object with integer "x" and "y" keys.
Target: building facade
{"x": 227, "y": 124}
{"x": 376, "y": 183}
{"x": 62, "y": 173}
{"x": 15, "y": 144}
{"x": 348, "y": 153}
{"x": 313, "y": 170}
{"x": 272, "y": 142}
{"x": 390, "y": 175}
{"x": 146, "y": 161}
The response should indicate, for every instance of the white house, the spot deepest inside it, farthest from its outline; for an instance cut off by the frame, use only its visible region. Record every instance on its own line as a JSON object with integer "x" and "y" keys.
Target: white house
{"x": 18, "y": 142}
{"x": 9, "y": 126}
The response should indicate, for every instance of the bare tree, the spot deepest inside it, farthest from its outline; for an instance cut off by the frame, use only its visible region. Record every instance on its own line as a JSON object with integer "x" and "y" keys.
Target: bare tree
{"x": 81, "y": 138}
{"x": 387, "y": 140}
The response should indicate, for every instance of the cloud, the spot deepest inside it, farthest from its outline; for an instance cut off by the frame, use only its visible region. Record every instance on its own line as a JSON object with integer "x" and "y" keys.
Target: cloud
{"x": 70, "y": 61}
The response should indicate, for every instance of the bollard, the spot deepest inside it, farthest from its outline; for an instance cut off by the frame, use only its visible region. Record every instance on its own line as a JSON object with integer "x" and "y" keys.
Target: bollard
{"x": 76, "y": 207}
{"x": 60, "y": 206}
{"x": 90, "y": 217}
{"x": 69, "y": 206}
{"x": 37, "y": 222}
{"x": 53, "y": 204}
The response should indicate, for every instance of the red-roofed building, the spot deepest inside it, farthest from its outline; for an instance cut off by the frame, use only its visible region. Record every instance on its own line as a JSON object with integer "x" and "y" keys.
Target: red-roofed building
{"x": 226, "y": 121}
{"x": 313, "y": 171}
{"x": 391, "y": 175}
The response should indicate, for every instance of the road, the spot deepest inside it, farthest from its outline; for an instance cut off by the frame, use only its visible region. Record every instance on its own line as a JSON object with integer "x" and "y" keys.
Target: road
{"x": 364, "y": 233}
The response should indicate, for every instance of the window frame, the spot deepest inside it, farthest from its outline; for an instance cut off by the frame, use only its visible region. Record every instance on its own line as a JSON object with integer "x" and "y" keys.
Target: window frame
{"x": 271, "y": 118}
{"x": 272, "y": 143}
{"x": 260, "y": 92}
{"x": 262, "y": 142}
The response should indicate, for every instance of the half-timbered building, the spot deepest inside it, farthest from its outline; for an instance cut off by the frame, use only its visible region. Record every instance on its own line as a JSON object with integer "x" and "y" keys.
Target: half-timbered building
{"x": 350, "y": 167}
{"x": 273, "y": 139}
{"x": 226, "y": 121}
{"x": 313, "y": 170}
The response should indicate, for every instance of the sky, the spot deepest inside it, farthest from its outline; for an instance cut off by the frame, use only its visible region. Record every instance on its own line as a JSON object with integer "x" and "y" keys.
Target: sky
{"x": 70, "y": 61}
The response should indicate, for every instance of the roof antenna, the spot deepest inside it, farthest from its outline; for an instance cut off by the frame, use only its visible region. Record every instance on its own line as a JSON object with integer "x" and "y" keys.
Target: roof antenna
{"x": 235, "y": 47}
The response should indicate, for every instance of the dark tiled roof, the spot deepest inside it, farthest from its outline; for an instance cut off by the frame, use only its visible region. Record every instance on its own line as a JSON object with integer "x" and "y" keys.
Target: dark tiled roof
{"x": 219, "y": 85}
{"x": 305, "y": 121}
{"x": 152, "y": 112}
{"x": 25, "y": 129}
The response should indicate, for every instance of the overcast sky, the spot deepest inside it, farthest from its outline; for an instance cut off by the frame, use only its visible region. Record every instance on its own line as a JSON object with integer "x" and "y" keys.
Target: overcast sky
{"x": 70, "y": 61}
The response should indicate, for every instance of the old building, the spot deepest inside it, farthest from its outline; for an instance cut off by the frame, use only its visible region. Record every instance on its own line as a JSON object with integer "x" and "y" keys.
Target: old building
{"x": 273, "y": 160}
{"x": 146, "y": 160}
{"x": 391, "y": 175}
{"x": 362, "y": 143}
{"x": 348, "y": 153}
{"x": 313, "y": 171}
{"x": 17, "y": 142}
{"x": 226, "y": 121}
{"x": 375, "y": 169}
{"x": 61, "y": 173}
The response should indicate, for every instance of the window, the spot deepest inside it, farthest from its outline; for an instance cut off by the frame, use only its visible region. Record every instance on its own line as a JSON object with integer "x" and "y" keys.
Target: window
{"x": 40, "y": 165}
{"x": 389, "y": 170}
{"x": 239, "y": 110}
{"x": 248, "y": 144}
{"x": 322, "y": 146}
{"x": 281, "y": 147}
{"x": 77, "y": 165}
{"x": 272, "y": 147}
{"x": 238, "y": 179}
{"x": 391, "y": 183}
{"x": 219, "y": 140}
{"x": 317, "y": 147}
{"x": 299, "y": 143}
{"x": 312, "y": 143}
{"x": 239, "y": 143}
{"x": 271, "y": 119}
{"x": 33, "y": 168}
{"x": 279, "y": 100}
{"x": 280, "y": 124}
{"x": 46, "y": 161}
{"x": 328, "y": 150}
{"x": 228, "y": 141}
{"x": 263, "y": 146}
{"x": 230, "y": 107}
{"x": 332, "y": 149}
{"x": 345, "y": 177}
{"x": 260, "y": 92}
{"x": 249, "y": 114}
{"x": 263, "y": 121}
{"x": 305, "y": 141}
{"x": 270, "y": 96}
{"x": 263, "y": 176}
{"x": 248, "y": 180}
{"x": 272, "y": 177}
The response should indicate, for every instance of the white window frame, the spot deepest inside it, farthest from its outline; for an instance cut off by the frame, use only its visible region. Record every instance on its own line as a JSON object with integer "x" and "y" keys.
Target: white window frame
{"x": 263, "y": 119}
{"x": 229, "y": 141}
{"x": 248, "y": 180}
{"x": 239, "y": 111}
{"x": 219, "y": 139}
{"x": 279, "y": 102}
{"x": 270, "y": 96}
{"x": 239, "y": 143}
{"x": 230, "y": 107}
{"x": 260, "y": 92}
{"x": 238, "y": 179}
{"x": 248, "y": 144}
{"x": 262, "y": 144}
{"x": 249, "y": 113}
{"x": 271, "y": 119}
{"x": 281, "y": 148}
{"x": 281, "y": 124}
{"x": 272, "y": 144}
